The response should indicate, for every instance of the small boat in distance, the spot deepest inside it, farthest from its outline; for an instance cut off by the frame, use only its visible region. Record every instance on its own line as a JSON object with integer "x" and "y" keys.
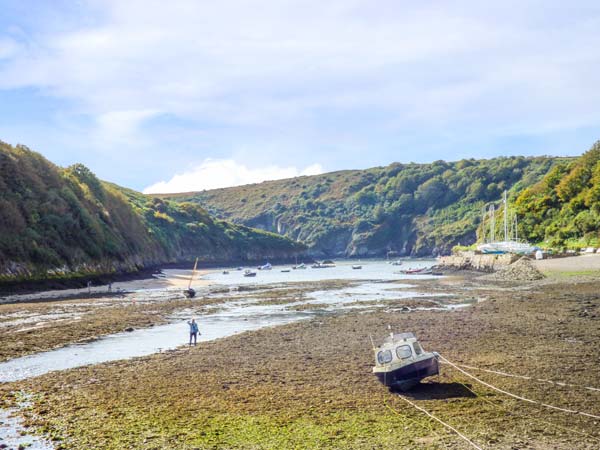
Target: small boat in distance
{"x": 267, "y": 266}
{"x": 356, "y": 267}
{"x": 397, "y": 263}
{"x": 299, "y": 266}
{"x": 401, "y": 363}
{"x": 417, "y": 271}
{"x": 285, "y": 270}
{"x": 249, "y": 273}
{"x": 323, "y": 265}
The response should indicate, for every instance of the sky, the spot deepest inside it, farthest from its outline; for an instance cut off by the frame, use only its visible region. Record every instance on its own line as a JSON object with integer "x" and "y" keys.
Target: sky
{"x": 190, "y": 95}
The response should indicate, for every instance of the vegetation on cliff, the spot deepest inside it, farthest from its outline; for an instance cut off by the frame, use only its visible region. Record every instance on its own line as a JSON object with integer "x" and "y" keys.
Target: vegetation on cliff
{"x": 57, "y": 222}
{"x": 413, "y": 209}
{"x": 563, "y": 209}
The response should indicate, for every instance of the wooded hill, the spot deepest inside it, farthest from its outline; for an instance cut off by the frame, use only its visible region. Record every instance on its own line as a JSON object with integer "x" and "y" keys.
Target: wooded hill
{"x": 411, "y": 209}
{"x": 57, "y": 222}
{"x": 563, "y": 209}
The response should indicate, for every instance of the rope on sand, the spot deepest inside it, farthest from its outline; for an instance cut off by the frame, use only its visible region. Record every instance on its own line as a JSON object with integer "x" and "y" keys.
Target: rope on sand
{"x": 518, "y": 397}
{"x": 524, "y": 377}
{"x": 513, "y": 413}
{"x": 442, "y": 422}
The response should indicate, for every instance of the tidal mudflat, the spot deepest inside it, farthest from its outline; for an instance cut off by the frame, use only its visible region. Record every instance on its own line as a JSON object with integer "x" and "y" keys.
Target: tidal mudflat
{"x": 308, "y": 383}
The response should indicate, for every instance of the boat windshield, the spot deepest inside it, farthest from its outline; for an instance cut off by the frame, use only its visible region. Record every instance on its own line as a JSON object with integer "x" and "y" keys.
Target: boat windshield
{"x": 384, "y": 356}
{"x": 404, "y": 351}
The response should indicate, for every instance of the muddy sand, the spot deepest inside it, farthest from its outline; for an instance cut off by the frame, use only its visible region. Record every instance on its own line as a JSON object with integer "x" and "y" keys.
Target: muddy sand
{"x": 309, "y": 384}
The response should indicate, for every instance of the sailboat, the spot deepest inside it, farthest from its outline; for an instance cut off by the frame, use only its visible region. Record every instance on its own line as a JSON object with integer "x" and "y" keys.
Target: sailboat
{"x": 191, "y": 292}
{"x": 511, "y": 242}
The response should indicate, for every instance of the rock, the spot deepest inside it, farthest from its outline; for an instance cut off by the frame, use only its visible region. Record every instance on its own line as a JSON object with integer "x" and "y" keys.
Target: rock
{"x": 129, "y": 329}
{"x": 520, "y": 270}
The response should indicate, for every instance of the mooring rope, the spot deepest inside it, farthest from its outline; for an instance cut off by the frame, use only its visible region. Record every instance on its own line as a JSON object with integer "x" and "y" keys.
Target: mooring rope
{"x": 518, "y": 397}
{"x": 429, "y": 426}
{"x": 513, "y": 413}
{"x": 524, "y": 377}
{"x": 442, "y": 422}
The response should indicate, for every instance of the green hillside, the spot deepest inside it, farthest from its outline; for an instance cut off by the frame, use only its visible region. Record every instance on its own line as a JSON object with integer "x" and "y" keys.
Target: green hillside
{"x": 57, "y": 222}
{"x": 413, "y": 209}
{"x": 563, "y": 209}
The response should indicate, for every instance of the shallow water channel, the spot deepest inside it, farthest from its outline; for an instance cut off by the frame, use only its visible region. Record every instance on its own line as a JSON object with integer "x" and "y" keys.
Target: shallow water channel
{"x": 233, "y": 317}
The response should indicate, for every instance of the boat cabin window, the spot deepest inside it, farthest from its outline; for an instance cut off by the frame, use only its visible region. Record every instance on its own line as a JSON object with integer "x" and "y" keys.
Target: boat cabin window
{"x": 417, "y": 348}
{"x": 404, "y": 351}
{"x": 384, "y": 356}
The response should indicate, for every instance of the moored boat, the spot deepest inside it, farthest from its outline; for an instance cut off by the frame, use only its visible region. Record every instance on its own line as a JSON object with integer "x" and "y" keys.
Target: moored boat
{"x": 323, "y": 265}
{"x": 249, "y": 273}
{"x": 401, "y": 363}
{"x": 357, "y": 267}
{"x": 417, "y": 271}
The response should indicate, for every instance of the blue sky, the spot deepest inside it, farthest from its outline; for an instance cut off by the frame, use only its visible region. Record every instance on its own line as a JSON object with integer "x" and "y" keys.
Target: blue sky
{"x": 186, "y": 95}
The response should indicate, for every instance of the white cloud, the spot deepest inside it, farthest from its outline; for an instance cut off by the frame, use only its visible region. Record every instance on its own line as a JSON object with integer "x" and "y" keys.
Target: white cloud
{"x": 236, "y": 63}
{"x": 218, "y": 173}
{"x": 348, "y": 83}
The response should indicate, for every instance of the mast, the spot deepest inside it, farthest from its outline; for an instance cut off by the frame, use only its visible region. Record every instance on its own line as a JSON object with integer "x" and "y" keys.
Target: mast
{"x": 193, "y": 272}
{"x": 505, "y": 218}
{"x": 492, "y": 223}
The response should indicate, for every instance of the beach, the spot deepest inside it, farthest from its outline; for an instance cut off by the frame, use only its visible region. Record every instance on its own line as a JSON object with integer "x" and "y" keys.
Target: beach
{"x": 308, "y": 383}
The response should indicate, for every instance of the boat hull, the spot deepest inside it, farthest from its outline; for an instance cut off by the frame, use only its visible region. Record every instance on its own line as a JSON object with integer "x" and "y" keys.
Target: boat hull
{"x": 405, "y": 377}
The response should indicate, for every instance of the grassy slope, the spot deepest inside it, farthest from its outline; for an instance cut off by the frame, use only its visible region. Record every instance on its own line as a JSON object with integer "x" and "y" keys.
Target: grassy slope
{"x": 59, "y": 222}
{"x": 410, "y": 208}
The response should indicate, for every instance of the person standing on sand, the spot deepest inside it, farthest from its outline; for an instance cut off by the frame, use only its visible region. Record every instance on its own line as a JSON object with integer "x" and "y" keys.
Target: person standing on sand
{"x": 193, "y": 330}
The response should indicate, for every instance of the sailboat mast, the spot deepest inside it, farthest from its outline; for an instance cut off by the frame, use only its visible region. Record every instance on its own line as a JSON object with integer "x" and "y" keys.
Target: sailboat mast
{"x": 505, "y": 218}
{"x": 193, "y": 272}
{"x": 492, "y": 224}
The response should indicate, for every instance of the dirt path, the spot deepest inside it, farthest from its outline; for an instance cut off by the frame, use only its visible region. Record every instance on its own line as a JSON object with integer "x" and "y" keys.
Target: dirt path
{"x": 572, "y": 264}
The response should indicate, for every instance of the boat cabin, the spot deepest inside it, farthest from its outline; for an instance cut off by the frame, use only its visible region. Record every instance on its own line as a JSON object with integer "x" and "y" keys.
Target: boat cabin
{"x": 401, "y": 362}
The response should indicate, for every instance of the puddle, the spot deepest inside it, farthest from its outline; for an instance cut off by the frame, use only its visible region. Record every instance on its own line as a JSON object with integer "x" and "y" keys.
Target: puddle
{"x": 367, "y": 292}
{"x": 13, "y": 435}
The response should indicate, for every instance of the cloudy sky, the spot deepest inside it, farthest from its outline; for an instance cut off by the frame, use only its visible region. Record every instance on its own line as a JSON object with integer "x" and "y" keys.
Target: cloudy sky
{"x": 185, "y": 95}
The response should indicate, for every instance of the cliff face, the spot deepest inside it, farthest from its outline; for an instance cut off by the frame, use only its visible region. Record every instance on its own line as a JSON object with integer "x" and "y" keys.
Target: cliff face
{"x": 411, "y": 209}
{"x": 57, "y": 222}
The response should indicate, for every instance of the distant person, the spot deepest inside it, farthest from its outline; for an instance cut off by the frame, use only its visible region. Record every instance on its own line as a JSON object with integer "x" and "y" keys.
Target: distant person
{"x": 193, "y": 331}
